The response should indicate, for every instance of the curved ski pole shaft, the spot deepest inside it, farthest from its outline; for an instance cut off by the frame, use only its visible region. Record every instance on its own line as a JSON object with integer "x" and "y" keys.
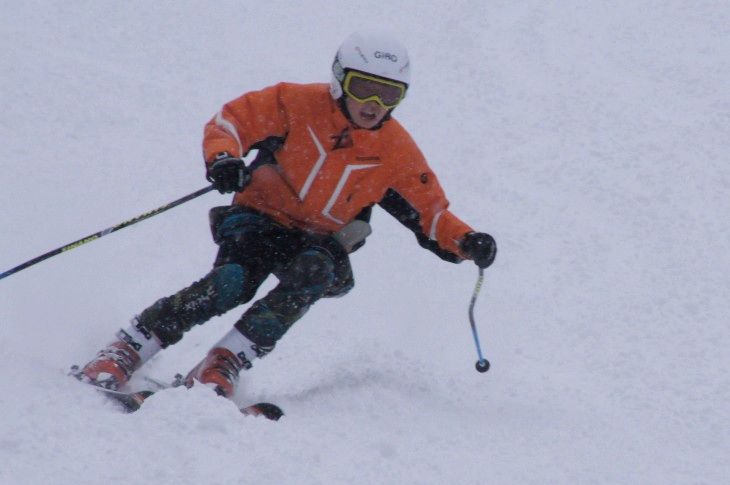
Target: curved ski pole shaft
{"x": 104, "y": 232}
{"x": 482, "y": 364}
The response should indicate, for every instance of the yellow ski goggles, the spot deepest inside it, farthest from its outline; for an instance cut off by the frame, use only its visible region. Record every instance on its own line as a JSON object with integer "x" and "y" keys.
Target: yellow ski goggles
{"x": 363, "y": 88}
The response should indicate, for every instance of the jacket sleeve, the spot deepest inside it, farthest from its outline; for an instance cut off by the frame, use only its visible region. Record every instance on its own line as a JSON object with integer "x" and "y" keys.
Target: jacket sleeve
{"x": 417, "y": 200}
{"x": 243, "y": 122}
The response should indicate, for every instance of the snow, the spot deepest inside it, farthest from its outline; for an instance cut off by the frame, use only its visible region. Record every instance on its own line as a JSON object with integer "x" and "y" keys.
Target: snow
{"x": 590, "y": 138}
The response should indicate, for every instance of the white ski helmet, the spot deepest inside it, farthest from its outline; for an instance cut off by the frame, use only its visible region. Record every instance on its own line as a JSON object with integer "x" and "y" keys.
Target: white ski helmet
{"x": 375, "y": 53}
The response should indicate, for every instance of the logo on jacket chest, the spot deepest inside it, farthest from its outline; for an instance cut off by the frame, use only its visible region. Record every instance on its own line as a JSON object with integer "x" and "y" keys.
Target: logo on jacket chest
{"x": 344, "y": 140}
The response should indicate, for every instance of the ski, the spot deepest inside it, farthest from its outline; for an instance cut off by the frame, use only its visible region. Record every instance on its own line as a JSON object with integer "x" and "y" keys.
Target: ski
{"x": 265, "y": 409}
{"x": 128, "y": 401}
{"x": 131, "y": 401}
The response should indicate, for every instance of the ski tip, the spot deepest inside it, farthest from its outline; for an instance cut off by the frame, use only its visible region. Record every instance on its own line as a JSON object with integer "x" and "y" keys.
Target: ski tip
{"x": 265, "y": 409}
{"x": 129, "y": 402}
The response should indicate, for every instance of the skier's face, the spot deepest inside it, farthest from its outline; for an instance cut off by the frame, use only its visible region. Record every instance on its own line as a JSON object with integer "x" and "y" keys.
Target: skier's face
{"x": 365, "y": 115}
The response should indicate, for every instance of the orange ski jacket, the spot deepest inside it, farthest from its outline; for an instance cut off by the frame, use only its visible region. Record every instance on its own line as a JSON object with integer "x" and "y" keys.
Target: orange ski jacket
{"x": 325, "y": 171}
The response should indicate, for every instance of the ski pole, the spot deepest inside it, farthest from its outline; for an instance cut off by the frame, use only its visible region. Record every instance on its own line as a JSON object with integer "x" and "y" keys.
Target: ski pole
{"x": 482, "y": 364}
{"x": 109, "y": 230}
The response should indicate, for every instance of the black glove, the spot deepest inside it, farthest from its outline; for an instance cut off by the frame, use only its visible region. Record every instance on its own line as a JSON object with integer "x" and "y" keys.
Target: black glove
{"x": 228, "y": 174}
{"x": 480, "y": 247}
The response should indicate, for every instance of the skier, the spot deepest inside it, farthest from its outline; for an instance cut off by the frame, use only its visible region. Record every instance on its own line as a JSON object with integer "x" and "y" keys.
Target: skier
{"x": 326, "y": 155}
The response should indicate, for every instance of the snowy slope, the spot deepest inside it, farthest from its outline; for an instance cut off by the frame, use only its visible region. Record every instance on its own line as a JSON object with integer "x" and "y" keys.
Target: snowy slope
{"x": 590, "y": 138}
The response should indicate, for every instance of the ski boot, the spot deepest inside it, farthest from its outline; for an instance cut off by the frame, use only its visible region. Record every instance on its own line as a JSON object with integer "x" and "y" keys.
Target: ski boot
{"x": 114, "y": 365}
{"x": 220, "y": 369}
{"x": 111, "y": 368}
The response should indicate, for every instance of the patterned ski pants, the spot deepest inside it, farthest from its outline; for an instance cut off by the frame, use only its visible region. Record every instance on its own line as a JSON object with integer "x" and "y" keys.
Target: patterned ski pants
{"x": 252, "y": 247}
